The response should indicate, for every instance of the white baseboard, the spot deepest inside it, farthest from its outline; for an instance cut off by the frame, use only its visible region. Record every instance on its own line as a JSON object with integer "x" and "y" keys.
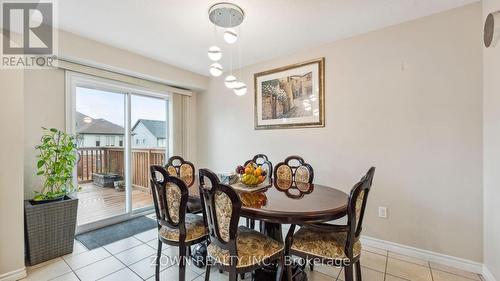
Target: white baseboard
{"x": 14, "y": 275}
{"x": 487, "y": 275}
{"x": 443, "y": 259}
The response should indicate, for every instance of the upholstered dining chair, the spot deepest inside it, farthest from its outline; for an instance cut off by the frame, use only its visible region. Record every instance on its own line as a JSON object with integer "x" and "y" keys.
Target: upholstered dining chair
{"x": 337, "y": 245}
{"x": 176, "y": 227}
{"x": 177, "y": 166}
{"x": 260, "y": 160}
{"x": 231, "y": 248}
{"x": 294, "y": 169}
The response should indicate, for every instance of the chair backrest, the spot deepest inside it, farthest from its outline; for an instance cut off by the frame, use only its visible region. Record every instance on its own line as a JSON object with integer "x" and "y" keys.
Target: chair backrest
{"x": 170, "y": 198}
{"x": 261, "y": 160}
{"x": 222, "y": 208}
{"x": 295, "y": 169}
{"x": 356, "y": 208}
{"x": 177, "y": 166}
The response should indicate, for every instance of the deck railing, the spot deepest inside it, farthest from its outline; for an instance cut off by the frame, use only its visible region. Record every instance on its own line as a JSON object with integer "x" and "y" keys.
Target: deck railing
{"x": 111, "y": 160}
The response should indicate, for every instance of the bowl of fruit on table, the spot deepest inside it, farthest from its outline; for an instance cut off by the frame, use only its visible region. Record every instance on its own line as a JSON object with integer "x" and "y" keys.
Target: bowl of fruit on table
{"x": 251, "y": 174}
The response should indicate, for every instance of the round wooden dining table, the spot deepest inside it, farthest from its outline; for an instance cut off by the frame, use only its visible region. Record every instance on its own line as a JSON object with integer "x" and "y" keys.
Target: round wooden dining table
{"x": 284, "y": 202}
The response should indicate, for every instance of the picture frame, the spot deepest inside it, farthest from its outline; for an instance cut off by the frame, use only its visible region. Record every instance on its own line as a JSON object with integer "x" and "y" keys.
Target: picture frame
{"x": 292, "y": 96}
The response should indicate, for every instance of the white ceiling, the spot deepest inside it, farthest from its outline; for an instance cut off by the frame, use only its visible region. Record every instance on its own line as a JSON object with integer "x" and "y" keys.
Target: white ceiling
{"x": 178, "y": 32}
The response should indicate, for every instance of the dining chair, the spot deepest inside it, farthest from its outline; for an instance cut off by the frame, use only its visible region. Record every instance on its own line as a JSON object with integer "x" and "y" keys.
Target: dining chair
{"x": 260, "y": 160}
{"x": 336, "y": 245}
{"x": 177, "y": 166}
{"x": 176, "y": 227}
{"x": 231, "y": 248}
{"x": 294, "y": 169}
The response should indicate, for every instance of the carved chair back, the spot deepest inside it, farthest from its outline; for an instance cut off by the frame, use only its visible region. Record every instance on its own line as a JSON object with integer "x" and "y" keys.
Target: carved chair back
{"x": 222, "y": 208}
{"x": 356, "y": 209}
{"x": 177, "y": 166}
{"x": 262, "y": 161}
{"x": 294, "y": 169}
{"x": 170, "y": 197}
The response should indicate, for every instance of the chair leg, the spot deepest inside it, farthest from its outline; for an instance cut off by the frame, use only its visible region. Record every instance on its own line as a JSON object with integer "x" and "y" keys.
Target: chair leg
{"x": 311, "y": 264}
{"x": 349, "y": 273}
{"x": 358, "y": 271}
{"x": 252, "y": 224}
{"x": 242, "y": 275}
{"x": 248, "y": 222}
{"x": 281, "y": 268}
{"x": 207, "y": 273}
{"x": 158, "y": 260}
{"x": 182, "y": 264}
{"x": 289, "y": 273}
{"x": 233, "y": 275}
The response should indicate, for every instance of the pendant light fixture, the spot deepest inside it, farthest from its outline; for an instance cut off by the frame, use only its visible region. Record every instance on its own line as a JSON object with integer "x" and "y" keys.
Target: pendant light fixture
{"x": 216, "y": 69}
{"x": 229, "y": 17}
{"x": 214, "y": 53}
{"x": 230, "y": 81}
{"x": 230, "y": 35}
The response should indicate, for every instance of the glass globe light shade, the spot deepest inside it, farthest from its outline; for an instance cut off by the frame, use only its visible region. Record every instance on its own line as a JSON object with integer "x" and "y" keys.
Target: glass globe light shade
{"x": 230, "y": 35}
{"x": 214, "y": 53}
{"x": 240, "y": 89}
{"x": 230, "y": 81}
{"x": 215, "y": 69}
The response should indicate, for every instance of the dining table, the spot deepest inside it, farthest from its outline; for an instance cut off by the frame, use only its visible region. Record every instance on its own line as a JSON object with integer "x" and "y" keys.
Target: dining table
{"x": 282, "y": 202}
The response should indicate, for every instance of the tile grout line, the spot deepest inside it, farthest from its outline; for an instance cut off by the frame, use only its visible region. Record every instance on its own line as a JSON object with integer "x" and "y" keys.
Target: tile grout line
{"x": 118, "y": 269}
{"x": 430, "y": 269}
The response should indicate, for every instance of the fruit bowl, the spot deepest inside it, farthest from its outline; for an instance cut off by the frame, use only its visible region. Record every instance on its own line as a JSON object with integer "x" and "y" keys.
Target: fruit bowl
{"x": 251, "y": 174}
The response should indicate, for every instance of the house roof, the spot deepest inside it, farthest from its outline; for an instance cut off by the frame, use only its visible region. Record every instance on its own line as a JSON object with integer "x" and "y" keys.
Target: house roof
{"x": 156, "y": 127}
{"x": 96, "y": 126}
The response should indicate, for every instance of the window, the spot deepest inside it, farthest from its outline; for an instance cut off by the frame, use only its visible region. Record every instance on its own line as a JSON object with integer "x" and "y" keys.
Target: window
{"x": 97, "y": 141}
{"x": 110, "y": 141}
{"x": 120, "y": 141}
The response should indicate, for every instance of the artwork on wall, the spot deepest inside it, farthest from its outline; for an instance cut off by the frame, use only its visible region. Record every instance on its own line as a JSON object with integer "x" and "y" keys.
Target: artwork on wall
{"x": 291, "y": 97}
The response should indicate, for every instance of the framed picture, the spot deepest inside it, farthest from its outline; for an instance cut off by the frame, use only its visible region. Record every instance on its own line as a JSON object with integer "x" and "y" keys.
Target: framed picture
{"x": 291, "y": 97}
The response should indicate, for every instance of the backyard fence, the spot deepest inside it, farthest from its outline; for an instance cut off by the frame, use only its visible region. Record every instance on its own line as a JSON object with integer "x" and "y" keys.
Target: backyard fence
{"x": 111, "y": 160}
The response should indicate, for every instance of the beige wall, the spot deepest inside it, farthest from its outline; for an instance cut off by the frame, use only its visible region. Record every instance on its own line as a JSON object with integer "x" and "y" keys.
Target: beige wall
{"x": 406, "y": 99}
{"x": 92, "y": 52}
{"x": 11, "y": 174}
{"x": 44, "y": 106}
{"x": 491, "y": 84}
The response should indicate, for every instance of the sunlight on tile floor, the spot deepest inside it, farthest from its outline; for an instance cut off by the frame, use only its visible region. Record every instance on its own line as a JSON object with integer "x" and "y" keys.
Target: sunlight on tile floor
{"x": 131, "y": 259}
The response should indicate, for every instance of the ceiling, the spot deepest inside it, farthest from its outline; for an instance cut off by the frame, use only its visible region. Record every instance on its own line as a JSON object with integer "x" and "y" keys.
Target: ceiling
{"x": 178, "y": 32}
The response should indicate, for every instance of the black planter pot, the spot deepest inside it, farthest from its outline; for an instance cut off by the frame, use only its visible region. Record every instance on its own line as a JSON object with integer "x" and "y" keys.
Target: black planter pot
{"x": 49, "y": 228}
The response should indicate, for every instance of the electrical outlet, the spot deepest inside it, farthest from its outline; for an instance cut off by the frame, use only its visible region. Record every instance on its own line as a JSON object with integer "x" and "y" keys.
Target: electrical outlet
{"x": 382, "y": 212}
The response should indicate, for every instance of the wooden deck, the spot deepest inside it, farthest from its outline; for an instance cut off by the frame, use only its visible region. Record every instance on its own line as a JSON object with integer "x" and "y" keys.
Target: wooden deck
{"x": 97, "y": 203}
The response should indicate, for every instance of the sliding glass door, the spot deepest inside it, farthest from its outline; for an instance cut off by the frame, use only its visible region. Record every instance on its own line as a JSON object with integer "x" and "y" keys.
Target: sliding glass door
{"x": 149, "y": 144}
{"x": 121, "y": 131}
{"x": 100, "y": 131}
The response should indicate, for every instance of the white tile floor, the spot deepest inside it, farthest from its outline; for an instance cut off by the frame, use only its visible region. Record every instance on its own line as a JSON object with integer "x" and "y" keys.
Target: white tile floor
{"x": 131, "y": 259}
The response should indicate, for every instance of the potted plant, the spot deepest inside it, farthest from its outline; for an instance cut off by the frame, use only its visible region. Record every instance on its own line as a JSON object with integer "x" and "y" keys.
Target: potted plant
{"x": 50, "y": 217}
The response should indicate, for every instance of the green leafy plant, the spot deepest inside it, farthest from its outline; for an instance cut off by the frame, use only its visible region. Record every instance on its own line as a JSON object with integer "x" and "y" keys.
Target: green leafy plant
{"x": 56, "y": 159}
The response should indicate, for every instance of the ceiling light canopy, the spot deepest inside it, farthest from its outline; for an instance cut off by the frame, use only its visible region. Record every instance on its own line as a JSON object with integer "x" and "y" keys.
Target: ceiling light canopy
{"x": 226, "y": 15}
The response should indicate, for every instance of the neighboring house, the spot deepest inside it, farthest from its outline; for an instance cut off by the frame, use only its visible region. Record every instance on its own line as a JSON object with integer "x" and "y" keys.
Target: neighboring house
{"x": 149, "y": 133}
{"x": 98, "y": 132}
